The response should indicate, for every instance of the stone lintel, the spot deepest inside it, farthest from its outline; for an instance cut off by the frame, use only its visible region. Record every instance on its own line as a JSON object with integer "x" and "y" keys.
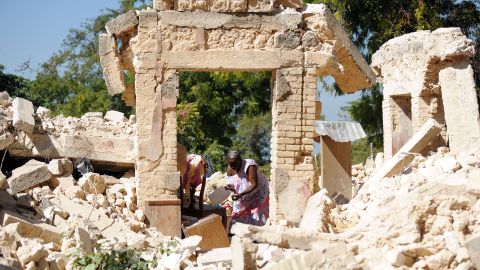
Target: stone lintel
{"x": 123, "y": 23}
{"x": 231, "y": 60}
{"x": 116, "y": 151}
{"x": 214, "y": 20}
{"x": 416, "y": 144}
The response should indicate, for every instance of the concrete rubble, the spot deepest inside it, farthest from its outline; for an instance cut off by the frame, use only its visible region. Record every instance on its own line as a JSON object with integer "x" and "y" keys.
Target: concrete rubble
{"x": 416, "y": 206}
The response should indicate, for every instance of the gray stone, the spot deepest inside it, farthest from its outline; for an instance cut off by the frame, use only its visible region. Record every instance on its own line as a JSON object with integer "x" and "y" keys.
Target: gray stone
{"x": 282, "y": 86}
{"x": 473, "y": 247}
{"x": 122, "y": 23}
{"x": 83, "y": 237}
{"x": 287, "y": 40}
{"x": 170, "y": 86}
{"x": 23, "y": 115}
{"x": 32, "y": 173}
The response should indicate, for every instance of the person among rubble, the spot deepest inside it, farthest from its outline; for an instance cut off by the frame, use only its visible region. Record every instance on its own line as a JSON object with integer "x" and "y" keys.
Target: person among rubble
{"x": 250, "y": 190}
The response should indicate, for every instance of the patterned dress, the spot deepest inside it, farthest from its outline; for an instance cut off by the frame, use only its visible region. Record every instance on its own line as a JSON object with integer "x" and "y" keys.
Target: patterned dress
{"x": 251, "y": 208}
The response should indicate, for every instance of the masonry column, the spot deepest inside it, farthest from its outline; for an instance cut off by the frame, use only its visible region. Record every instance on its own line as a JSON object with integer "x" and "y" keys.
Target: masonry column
{"x": 289, "y": 189}
{"x": 387, "y": 109}
{"x": 153, "y": 115}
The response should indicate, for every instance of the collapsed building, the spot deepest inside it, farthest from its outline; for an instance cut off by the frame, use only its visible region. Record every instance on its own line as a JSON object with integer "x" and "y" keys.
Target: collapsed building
{"x": 433, "y": 190}
{"x": 296, "y": 43}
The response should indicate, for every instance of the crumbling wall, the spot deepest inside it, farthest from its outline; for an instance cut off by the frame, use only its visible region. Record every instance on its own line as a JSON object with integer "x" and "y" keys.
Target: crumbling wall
{"x": 433, "y": 68}
{"x": 296, "y": 45}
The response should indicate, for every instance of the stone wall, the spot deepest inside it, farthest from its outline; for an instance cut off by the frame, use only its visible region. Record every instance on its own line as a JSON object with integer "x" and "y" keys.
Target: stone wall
{"x": 296, "y": 45}
{"x": 418, "y": 65}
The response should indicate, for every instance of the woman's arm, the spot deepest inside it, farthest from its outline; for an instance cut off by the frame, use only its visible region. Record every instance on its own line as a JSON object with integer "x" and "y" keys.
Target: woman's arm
{"x": 252, "y": 179}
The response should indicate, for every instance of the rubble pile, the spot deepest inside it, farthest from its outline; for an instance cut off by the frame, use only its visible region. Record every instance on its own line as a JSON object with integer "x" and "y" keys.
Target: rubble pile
{"x": 425, "y": 218}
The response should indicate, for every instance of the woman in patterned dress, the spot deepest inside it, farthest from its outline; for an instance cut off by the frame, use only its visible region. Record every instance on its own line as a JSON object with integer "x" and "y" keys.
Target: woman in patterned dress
{"x": 250, "y": 190}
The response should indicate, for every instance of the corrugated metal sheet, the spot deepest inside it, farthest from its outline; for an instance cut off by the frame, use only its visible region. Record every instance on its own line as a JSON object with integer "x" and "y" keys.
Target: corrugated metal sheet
{"x": 340, "y": 131}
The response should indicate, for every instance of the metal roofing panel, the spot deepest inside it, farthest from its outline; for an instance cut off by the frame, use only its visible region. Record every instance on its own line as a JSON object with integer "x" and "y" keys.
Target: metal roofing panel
{"x": 340, "y": 131}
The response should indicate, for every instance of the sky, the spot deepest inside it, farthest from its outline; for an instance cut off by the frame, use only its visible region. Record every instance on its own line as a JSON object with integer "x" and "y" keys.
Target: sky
{"x": 33, "y": 30}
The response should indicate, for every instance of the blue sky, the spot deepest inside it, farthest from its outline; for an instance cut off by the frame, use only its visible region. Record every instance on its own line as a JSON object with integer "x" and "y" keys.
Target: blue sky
{"x": 34, "y": 29}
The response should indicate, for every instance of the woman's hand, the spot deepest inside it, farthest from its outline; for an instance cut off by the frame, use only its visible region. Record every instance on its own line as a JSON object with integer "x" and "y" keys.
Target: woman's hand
{"x": 230, "y": 187}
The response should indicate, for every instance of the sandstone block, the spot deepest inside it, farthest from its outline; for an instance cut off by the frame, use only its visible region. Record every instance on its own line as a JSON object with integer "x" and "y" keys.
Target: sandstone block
{"x": 55, "y": 166}
{"x": 114, "y": 116}
{"x": 92, "y": 183}
{"x": 110, "y": 61}
{"x": 122, "y": 23}
{"x": 31, "y": 251}
{"x": 317, "y": 212}
{"x": 397, "y": 258}
{"x": 32, "y": 173}
{"x": 75, "y": 192}
{"x": 4, "y": 98}
{"x": 214, "y": 256}
{"x": 44, "y": 112}
{"x": 23, "y": 115}
{"x": 46, "y": 232}
{"x": 473, "y": 247}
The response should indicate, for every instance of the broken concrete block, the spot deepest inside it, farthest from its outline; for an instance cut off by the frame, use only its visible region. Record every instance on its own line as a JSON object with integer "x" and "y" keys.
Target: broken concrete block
{"x": 75, "y": 192}
{"x": 92, "y": 183}
{"x": 110, "y": 61}
{"x": 32, "y": 173}
{"x": 139, "y": 215}
{"x": 114, "y": 116}
{"x": 473, "y": 247}
{"x": 416, "y": 144}
{"x": 63, "y": 182}
{"x": 317, "y": 213}
{"x": 57, "y": 261}
{"x": 214, "y": 256}
{"x": 293, "y": 199}
{"x": 273, "y": 254}
{"x": 24, "y": 228}
{"x": 243, "y": 253}
{"x": 4, "y": 98}
{"x": 44, "y": 112}
{"x": 122, "y": 23}
{"x": 55, "y": 167}
{"x": 31, "y": 251}
{"x": 23, "y": 115}
{"x": 397, "y": 258}
{"x": 107, "y": 226}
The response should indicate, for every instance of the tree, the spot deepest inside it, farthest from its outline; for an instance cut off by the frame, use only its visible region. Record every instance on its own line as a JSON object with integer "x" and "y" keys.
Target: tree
{"x": 212, "y": 104}
{"x": 71, "y": 81}
{"x": 371, "y": 23}
{"x": 16, "y": 86}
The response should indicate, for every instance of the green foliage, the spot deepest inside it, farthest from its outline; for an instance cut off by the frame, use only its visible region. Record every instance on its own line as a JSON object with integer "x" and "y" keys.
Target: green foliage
{"x": 71, "y": 81}
{"x": 217, "y": 152}
{"x": 253, "y": 137}
{"x": 361, "y": 151}
{"x": 212, "y": 106}
{"x": 112, "y": 259}
{"x": 16, "y": 86}
{"x": 368, "y": 112}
